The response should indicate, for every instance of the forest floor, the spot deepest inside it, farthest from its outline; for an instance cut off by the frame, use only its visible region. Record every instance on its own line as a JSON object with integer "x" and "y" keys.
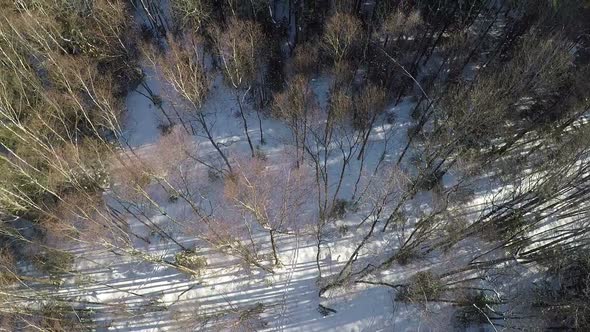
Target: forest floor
{"x": 134, "y": 295}
{"x": 149, "y": 297}
{"x": 130, "y": 293}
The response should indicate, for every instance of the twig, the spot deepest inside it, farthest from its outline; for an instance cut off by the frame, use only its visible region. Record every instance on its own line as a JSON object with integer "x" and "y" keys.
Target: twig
{"x": 380, "y": 283}
{"x": 486, "y": 316}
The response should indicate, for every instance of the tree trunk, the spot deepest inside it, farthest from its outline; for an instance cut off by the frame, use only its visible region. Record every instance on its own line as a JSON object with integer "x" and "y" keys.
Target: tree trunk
{"x": 245, "y": 123}
{"x": 203, "y": 122}
{"x": 274, "y": 247}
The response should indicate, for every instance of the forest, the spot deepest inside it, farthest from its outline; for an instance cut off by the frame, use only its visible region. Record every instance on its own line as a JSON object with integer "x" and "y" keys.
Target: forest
{"x": 294, "y": 165}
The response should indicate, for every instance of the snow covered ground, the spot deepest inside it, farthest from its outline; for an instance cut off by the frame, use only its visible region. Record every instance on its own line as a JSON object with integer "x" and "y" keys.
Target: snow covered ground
{"x": 134, "y": 295}
{"x": 136, "y": 289}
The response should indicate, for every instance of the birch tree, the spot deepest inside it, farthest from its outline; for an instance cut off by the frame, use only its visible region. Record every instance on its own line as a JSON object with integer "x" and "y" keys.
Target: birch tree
{"x": 240, "y": 48}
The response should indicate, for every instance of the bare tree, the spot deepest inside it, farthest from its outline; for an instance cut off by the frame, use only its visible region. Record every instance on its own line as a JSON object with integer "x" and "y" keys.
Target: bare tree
{"x": 343, "y": 33}
{"x": 240, "y": 49}
{"x": 191, "y": 14}
{"x": 296, "y": 104}
{"x": 370, "y": 104}
{"x": 306, "y": 60}
{"x": 399, "y": 26}
{"x": 183, "y": 69}
{"x": 274, "y": 197}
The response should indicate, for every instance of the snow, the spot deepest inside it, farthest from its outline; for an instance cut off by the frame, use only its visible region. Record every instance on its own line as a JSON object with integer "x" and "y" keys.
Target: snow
{"x": 290, "y": 295}
{"x": 141, "y": 117}
{"x": 214, "y": 300}
{"x": 135, "y": 290}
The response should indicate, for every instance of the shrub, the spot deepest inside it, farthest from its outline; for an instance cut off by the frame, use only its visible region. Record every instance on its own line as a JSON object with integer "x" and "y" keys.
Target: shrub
{"x": 8, "y": 138}
{"x": 165, "y": 128}
{"x": 190, "y": 259}
{"x": 414, "y": 130}
{"x": 474, "y": 309}
{"x": 423, "y": 287}
{"x": 56, "y": 316}
{"x": 405, "y": 256}
{"x": 307, "y": 59}
{"x": 259, "y": 154}
{"x": 214, "y": 175}
{"x": 429, "y": 180}
{"x": 173, "y": 198}
{"x": 567, "y": 305}
{"x": 341, "y": 206}
{"x": 390, "y": 117}
{"x": 55, "y": 263}
{"x": 398, "y": 219}
{"x": 343, "y": 230}
{"x": 249, "y": 318}
{"x": 507, "y": 227}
